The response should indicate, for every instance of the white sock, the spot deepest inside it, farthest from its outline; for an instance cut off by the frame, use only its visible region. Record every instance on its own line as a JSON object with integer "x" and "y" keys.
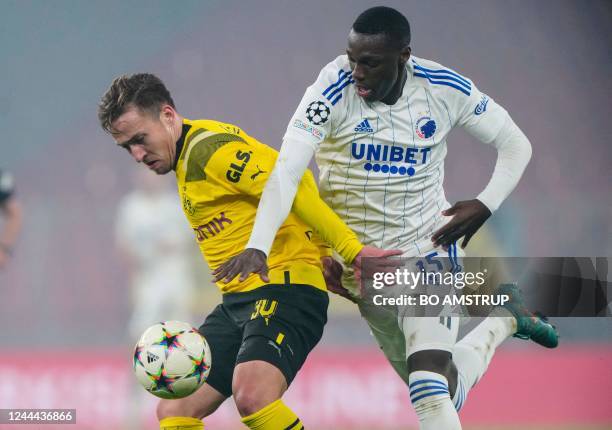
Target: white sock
{"x": 460, "y": 392}
{"x": 432, "y": 402}
{"x": 474, "y": 352}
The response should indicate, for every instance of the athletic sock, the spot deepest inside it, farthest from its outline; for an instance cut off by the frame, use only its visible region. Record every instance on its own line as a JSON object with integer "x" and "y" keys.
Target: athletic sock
{"x": 474, "y": 352}
{"x": 431, "y": 400}
{"x": 460, "y": 392}
{"x": 181, "y": 423}
{"x": 275, "y": 416}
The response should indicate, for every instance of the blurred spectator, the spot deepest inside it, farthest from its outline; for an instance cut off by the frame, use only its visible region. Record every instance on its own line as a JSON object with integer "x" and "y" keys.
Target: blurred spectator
{"x": 11, "y": 214}
{"x": 156, "y": 244}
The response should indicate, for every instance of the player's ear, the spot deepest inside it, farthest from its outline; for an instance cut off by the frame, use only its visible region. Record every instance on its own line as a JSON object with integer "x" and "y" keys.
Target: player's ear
{"x": 166, "y": 114}
{"x": 404, "y": 55}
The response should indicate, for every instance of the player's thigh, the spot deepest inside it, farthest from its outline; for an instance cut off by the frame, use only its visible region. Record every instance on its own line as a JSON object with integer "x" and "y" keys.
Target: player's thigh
{"x": 433, "y": 332}
{"x": 224, "y": 338}
{"x": 200, "y": 404}
{"x": 283, "y": 328}
{"x": 259, "y": 376}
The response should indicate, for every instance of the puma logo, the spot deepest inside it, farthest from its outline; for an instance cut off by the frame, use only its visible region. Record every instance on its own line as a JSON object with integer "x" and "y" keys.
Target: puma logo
{"x": 275, "y": 346}
{"x": 254, "y": 175}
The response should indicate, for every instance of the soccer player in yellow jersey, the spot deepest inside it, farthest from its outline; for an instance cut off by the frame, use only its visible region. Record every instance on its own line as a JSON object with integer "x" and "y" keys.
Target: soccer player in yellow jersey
{"x": 267, "y": 323}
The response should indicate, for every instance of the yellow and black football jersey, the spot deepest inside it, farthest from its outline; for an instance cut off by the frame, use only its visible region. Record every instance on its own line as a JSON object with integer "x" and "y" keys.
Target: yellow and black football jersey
{"x": 221, "y": 173}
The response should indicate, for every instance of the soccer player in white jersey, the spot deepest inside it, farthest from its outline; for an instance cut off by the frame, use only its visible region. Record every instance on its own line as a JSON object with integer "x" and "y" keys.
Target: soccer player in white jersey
{"x": 377, "y": 120}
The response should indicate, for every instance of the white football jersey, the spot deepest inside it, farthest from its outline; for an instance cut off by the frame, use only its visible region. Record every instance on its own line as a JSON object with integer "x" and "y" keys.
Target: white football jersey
{"x": 382, "y": 166}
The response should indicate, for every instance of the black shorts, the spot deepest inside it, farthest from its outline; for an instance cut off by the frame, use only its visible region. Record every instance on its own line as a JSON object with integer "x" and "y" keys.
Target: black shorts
{"x": 279, "y": 324}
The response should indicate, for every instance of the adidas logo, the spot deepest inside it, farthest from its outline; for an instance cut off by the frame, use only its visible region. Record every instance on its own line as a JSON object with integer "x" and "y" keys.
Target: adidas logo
{"x": 151, "y": 357}
{"x": 364, "y": 127}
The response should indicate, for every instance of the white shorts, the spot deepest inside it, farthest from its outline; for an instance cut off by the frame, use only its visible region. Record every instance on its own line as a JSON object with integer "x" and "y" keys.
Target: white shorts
{"x": 399, "y": 335}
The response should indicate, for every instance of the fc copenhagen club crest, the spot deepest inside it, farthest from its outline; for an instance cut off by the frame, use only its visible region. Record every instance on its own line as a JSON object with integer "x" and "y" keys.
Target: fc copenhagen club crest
{"x": 425, "y": 127}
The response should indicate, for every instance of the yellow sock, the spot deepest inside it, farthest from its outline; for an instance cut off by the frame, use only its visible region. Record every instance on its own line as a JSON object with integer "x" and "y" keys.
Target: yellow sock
{"x": 275, "y": 416}
{"x": 181, "y": 423}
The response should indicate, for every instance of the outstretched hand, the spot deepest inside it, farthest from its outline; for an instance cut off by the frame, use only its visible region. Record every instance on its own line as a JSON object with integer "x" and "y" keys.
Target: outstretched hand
{"x": 249, "y": 261}
{"x": 468, "y": 217}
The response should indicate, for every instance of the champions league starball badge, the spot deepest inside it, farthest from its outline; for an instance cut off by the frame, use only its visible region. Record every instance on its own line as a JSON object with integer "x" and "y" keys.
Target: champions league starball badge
{"x": 317, "y": 113}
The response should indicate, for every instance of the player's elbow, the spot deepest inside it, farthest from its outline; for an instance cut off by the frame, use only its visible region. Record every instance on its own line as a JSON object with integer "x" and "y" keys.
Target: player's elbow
{"x": 525, "y": 149}
{"x": 528, "y": 150}
{"x": 514, "y": 144}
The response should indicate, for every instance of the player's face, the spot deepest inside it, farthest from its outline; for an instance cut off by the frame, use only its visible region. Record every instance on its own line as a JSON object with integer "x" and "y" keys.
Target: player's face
{"x": 147, "y": 137}
{"x": 377, "y": 66}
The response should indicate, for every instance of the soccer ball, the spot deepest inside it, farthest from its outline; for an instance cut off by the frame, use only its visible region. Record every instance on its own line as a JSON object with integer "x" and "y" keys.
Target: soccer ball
{"x": 172, "y": 360}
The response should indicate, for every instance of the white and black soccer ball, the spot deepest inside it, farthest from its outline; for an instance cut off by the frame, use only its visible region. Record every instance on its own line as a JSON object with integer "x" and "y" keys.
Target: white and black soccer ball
{"x": 317, "y": 113}
{"x": 172, "y": 360}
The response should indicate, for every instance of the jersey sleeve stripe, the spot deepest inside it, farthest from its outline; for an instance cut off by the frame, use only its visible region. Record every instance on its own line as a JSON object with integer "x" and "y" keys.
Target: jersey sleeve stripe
{"x": 342, "y": 74}
{"x": 457, "y": 77}
{"x": 441, "y": 82}
{"x": 449, "y": 78}
{"x": 340, "y": 88}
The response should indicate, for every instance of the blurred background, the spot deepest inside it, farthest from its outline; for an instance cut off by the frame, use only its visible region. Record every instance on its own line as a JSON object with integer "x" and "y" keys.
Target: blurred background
{"x": 70, "y": 294}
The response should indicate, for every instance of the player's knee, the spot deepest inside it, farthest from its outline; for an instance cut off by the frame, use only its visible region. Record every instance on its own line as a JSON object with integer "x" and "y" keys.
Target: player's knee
{"x": 252, "y": 394}
{"x": 437, "y": 361}
{"x": 248, "y": 401}
{"x": 256, "y": 384}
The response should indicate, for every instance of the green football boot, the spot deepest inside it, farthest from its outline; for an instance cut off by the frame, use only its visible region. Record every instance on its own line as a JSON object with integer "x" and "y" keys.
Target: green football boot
{"x": 530, "y": 325}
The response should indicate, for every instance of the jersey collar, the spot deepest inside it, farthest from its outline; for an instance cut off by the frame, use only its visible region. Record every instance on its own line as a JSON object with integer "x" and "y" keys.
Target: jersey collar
{"x": 180, "y": 143}
{"x": 409, "y": 76}
{"x": 410, "y": 66}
